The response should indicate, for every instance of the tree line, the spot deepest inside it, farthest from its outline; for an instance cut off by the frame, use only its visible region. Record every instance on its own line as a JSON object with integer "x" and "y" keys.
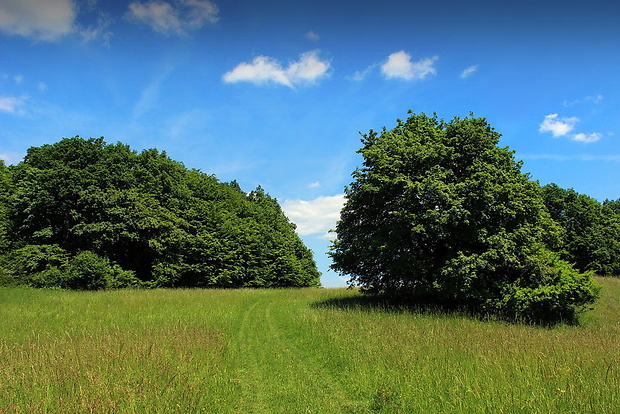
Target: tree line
{"x": 438, "y": 214}
{"x": 85, "y": 214}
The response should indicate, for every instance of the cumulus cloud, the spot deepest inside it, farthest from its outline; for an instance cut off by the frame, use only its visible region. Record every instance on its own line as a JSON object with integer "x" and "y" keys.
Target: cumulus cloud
{"x": 558, "y": 126}
{"x": 587, "y": 138}
{"x": 264, "y": 69}
{"x": 561, "y": 127}
{"x": 316, "y": 216}
{"x": 11, "y": 104}
{"x": 469, "y": 71}
{"x": 400, "y": 66}
{"x": 176, "y": 17}
{"x": 46, "y": 20}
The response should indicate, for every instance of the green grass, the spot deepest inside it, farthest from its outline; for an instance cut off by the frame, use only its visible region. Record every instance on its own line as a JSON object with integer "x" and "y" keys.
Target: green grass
{"x": 293, "y": 351}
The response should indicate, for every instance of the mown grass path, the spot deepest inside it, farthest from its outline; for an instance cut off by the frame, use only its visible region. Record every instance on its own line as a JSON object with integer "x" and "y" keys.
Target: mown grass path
{"x": 275, "y": 373}
{"x": 293, "y": 351}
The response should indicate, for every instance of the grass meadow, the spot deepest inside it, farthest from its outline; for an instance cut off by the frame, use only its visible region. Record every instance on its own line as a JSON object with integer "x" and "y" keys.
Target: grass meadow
{"x": 294, "y": 351}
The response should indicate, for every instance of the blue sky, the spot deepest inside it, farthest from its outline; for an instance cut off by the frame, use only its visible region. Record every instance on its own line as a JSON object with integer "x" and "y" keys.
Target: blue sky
{"x": 275, "y": 92}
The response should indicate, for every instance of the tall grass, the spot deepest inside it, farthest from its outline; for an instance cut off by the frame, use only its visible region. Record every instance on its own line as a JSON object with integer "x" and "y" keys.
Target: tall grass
{"x": 305, "y": 350}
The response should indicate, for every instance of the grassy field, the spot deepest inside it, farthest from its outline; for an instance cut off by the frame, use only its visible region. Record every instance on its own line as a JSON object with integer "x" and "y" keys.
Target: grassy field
{"x": 293, "y": 351}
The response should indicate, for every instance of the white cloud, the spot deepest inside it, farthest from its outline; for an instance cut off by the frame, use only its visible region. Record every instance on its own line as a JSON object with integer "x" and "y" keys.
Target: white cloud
{"x": 315, "y": 216}
{"x": 469, "y": 71}
{"x": 587, "y": 138}
{"x": 558, "y": 126}
{"x": 400, "y": 66}
{"x": 315, "y": 184}
{"x": 46, "y": 20}
{"x": 174, "y": 18}
{"x": 11, "y": 105}
{"x": 312, "y": 35}
{"x": 308, "y": 68}
{"x": 264, "y": 69}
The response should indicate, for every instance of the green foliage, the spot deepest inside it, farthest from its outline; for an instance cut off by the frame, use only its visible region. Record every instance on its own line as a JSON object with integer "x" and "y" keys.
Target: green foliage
{"x": 51, "y": 266}
{"x": 440, "y": 214}
{"x": 591, "y": 229}
{"x": 5, "y": 190}
{"x": 88, "y": 271}
{"x": 148, "y": 215}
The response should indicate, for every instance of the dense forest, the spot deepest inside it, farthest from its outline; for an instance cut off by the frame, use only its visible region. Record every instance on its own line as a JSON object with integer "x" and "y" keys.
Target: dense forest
{"x": 84, "y": 214}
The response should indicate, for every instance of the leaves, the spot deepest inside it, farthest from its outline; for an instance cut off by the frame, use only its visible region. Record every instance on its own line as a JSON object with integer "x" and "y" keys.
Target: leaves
{"x": 591, "y": 230}
{"x": 151, "y": 216}
{"x": 439, "y": 213}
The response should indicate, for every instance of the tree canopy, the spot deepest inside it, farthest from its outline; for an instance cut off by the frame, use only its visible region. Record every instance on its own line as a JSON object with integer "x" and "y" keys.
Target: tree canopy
{"x": 440, "y": 214}
{"x": 591, "y": 230}
{"x": 85, "y": 214}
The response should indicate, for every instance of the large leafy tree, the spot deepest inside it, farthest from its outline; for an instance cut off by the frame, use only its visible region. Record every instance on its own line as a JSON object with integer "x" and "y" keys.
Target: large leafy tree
{"x": 82, "y": 204}
{"x": 440, "y": 214}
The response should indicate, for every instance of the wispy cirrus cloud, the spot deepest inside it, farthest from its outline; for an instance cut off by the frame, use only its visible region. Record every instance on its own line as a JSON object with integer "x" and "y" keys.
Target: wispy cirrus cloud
{"x": 150, "y": 93}
{"x": 594, "y": 99}
{"x": 400, "y": 66}
{"x": 572, "y": 157}
{"x": 12, "y": 105}
{"x": 264, "y": 70}
{"x": 360, "y": 75}
{"x": 560, "y": 127}
{"x": 469, "y": 71}
{"x": 316, "y": 216}
{"x": 175, "y": 17}
{"x": 99, "y": 30}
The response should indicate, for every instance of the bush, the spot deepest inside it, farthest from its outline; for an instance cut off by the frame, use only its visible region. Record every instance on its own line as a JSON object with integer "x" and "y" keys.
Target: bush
{"x": 47, "y": 266}
{"x": 88, "y": 271}
{"x": 562, "y": 294}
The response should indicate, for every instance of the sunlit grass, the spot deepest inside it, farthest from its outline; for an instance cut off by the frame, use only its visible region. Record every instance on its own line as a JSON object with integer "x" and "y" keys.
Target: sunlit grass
{"x": 304, "y": 350}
